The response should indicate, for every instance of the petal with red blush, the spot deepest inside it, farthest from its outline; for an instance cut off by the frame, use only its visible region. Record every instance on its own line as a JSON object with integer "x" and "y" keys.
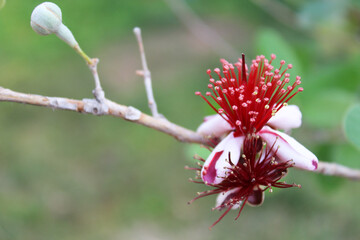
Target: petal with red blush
{"x": 289, "y": 149}
{"x": 216, "y": 165}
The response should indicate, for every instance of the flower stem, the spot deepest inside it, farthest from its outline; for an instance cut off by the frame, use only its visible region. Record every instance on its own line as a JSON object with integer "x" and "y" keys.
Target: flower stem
{"x": 87, "y": 59}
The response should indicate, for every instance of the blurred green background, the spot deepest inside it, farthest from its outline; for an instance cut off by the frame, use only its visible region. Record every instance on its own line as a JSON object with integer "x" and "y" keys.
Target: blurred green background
{"x": 64, "y": 175}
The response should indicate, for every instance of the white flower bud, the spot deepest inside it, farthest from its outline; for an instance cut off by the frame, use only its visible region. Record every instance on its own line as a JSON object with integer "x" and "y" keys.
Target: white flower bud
{"x": 46, "y": 19}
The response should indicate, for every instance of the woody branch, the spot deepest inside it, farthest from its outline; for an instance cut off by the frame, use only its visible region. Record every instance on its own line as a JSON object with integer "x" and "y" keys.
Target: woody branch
{"x": 91, "y": 106}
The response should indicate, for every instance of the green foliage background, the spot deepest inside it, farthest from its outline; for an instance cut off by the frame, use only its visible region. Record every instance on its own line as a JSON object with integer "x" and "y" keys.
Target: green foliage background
{"x": 65, "y": 175}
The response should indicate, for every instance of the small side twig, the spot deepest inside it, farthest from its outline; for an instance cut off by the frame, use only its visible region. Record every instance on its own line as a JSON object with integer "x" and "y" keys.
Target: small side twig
{"x": 92, "y": 63}
{"x": 147, "y": 75}
{"x": 98, "y": 92}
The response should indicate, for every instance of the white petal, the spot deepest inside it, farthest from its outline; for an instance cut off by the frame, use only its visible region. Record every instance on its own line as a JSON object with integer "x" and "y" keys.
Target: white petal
{"x": 286, "y": 118}
{"x": 214, "y": 125}
{"x": 289, "y": 149}
{"x": 215, "y": 166}
{"x": 225, "y": 197}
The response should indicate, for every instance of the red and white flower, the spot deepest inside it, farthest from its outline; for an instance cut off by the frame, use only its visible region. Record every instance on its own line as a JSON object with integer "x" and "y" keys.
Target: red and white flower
{"x": 253, "y": 155}
{"x": 252, "y": 103}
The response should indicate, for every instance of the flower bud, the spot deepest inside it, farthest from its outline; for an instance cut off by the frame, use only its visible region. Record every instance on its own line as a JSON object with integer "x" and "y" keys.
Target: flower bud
{"x": 66, "y": 35}
{"x": 46, "y": 19}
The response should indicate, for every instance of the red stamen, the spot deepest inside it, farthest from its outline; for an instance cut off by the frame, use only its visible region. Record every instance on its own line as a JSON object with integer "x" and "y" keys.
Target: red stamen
{"x": 250, "y": 98}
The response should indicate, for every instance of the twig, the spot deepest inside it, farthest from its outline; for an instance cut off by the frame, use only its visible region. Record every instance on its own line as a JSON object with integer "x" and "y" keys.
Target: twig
{"x": 98, "y": 92}
{"x": 334, "y": 169}
{"x": 147, "y": 75}
{"x": 92, "y": 63}
{"x": 91, "y": 106}
{"x": 200, "y": 29}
